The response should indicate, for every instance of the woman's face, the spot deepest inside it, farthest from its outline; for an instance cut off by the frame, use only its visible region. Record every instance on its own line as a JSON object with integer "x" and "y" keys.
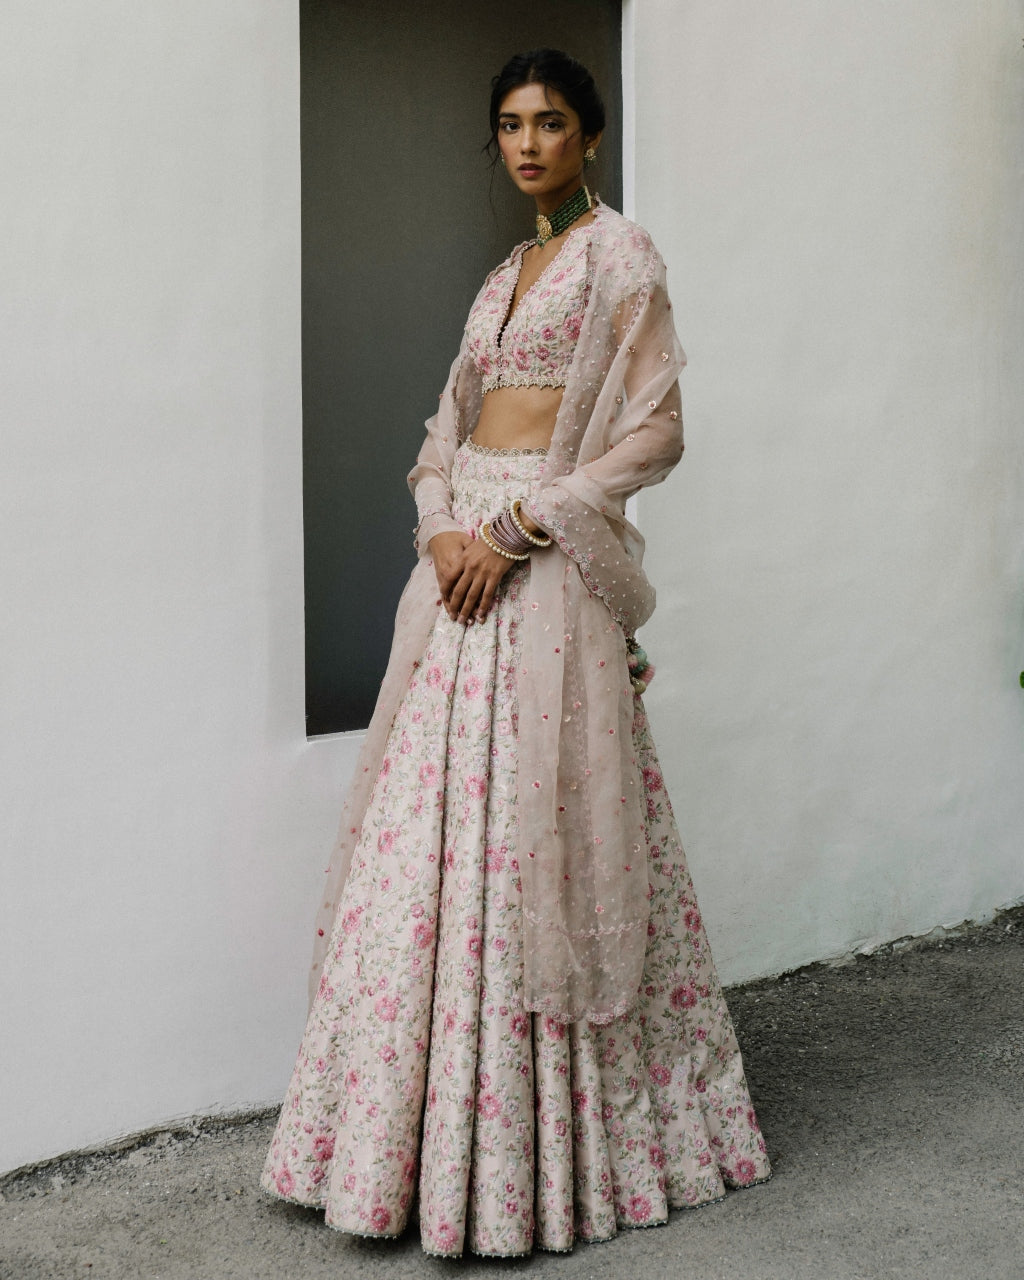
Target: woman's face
{"x": 542, "y": 144}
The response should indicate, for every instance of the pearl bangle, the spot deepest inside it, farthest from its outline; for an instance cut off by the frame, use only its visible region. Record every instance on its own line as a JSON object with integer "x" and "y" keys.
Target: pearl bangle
{"x": 485, "y": 534}
{"x": 504, "y": 533}
{"x": 518, "y": 522}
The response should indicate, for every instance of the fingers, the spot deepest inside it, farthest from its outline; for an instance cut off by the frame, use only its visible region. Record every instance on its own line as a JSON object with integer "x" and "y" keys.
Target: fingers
{"x": 468, "y": 581}
{"x": 453, "y": 600}
{"x": 465, "y": 599}
{"x": 449, "y": 564}
{"x": 486, "y": 586}
{"x": 445, "y": 581}
{"x": 473, "y": 595}
{"x": 486, "y": 599}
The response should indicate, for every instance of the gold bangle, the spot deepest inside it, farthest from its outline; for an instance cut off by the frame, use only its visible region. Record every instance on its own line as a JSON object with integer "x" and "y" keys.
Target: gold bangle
{"x": 485, "y": 534}
{"x": 517, "y": 521}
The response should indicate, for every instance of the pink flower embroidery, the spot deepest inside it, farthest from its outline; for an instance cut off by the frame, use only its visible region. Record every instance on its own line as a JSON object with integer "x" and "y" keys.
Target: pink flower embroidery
{"x": 639, "y": 1208}
{"x": 683, "y": 997}
{"x": 386, "y": 1008}
{"x": 445, "y": 1236}
{"x": 284, "y": 1181}
{"x": 489, "y": 1105}
{"x": 380, "y": 1217}
{"x": 323, "y": 1147}
{"x": 520, "y": 1026}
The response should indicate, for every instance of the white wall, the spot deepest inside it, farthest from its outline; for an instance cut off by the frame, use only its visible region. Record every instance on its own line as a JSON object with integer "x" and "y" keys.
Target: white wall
{"x": 840, "y": 552}
{"x": 837, "y": 189}
{"x": 164, "y": 820}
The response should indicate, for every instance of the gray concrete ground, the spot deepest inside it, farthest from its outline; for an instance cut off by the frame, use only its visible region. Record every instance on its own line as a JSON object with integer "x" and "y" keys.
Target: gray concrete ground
{"x": 891, "y": 1091}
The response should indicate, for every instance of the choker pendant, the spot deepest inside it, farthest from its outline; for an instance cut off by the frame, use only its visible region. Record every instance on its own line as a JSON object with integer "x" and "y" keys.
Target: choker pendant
{"x": 553, "y": 224}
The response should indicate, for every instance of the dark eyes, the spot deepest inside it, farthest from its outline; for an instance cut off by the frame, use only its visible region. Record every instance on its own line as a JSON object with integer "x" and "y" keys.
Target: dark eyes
{"x": 510, "y": 126}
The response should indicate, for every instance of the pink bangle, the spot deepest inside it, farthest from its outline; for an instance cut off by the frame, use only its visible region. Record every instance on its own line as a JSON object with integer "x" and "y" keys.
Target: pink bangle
{"x": 515, "y": 514}
{"x": 506, "y": 534}
{"x": 488, "y": 535}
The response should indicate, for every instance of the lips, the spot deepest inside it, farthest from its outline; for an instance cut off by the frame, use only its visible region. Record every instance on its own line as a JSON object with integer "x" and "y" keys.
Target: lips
{"x": 529, "y": 170}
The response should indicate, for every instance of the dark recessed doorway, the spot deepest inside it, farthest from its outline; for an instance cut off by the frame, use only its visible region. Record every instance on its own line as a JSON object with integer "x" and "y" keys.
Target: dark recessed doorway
{"x": 401, "y": 220}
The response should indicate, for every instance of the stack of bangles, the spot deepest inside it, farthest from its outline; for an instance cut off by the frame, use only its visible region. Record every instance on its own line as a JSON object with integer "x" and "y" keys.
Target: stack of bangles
{"x": 507, "y": 535}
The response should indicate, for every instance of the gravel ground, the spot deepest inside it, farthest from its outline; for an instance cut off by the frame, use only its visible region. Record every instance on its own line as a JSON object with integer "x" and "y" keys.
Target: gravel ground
{"x": 890, "y": 1088}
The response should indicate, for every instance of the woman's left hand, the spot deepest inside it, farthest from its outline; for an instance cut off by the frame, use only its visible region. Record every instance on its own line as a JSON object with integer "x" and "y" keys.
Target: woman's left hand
{"x": 472, "y": 594}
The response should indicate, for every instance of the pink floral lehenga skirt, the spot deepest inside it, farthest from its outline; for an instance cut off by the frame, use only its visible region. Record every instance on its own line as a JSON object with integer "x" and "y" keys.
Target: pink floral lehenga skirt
{"x": 420, "y": 1075}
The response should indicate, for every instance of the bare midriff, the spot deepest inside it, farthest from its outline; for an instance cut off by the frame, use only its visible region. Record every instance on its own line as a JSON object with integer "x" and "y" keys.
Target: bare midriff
{"x": 518, "y": 417}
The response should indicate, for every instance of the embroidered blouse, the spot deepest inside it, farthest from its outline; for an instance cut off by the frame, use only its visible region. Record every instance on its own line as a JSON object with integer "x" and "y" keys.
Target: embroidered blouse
{"x": 533, "y": 345}
{"x": 582, "y": 847}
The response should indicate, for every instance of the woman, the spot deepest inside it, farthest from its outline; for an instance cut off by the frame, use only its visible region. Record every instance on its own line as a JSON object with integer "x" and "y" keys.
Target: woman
{"x": 515, "y": 1012}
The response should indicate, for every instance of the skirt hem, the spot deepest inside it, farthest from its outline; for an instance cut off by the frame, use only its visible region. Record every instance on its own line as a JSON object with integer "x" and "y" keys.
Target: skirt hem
{"x": 620, "y": 1227}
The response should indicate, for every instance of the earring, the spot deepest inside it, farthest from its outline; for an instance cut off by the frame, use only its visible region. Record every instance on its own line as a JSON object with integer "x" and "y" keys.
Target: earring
{"x": 501, "y": 159}
{"x": 589, "y": 157}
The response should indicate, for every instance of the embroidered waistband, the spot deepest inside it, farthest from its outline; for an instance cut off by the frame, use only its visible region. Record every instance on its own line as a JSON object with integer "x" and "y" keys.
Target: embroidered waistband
{"x": 473, "y": 447}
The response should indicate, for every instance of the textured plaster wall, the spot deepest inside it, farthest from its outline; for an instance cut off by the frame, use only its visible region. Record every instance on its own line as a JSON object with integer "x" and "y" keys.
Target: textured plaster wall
{"x": 835, "y": 189}
{"x": 164, "y": 819}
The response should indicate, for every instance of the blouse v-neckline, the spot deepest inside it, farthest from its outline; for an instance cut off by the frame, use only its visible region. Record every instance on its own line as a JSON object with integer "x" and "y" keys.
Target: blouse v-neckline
{"x": 514, "y": 306}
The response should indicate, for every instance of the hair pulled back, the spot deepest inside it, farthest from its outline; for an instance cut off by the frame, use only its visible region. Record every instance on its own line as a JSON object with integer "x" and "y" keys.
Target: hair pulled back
{"x": 554, "y": 70}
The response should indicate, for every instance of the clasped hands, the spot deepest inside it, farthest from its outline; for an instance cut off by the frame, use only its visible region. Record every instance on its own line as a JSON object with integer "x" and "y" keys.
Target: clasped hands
{"x": 468, "y": 573}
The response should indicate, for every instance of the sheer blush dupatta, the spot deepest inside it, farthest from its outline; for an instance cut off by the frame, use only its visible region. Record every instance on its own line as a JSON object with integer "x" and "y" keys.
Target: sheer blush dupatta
{"x": 582, "y": 843}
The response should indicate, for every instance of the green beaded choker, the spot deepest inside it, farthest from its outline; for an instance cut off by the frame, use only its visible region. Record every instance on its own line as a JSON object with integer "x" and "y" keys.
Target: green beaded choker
{"x": 554, "y": 224}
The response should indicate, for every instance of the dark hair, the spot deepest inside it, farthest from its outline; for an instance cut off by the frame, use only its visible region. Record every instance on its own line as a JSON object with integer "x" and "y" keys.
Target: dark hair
{"x": 554, "y": 70}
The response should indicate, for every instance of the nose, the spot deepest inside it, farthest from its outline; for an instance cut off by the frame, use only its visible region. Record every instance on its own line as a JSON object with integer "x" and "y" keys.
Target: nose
{"x": 527, "y": 141}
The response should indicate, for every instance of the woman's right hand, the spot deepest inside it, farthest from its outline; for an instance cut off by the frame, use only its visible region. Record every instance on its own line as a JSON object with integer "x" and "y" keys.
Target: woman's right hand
{"x": 447, "y": 550}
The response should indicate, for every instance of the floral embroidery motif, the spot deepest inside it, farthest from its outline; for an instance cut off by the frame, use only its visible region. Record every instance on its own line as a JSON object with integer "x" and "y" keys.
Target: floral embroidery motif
{"x": 533, "y": 346}
{"x": 419, "y": 1065}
